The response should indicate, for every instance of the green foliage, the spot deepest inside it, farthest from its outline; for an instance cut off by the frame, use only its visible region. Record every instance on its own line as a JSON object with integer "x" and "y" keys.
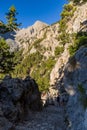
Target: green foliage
{"x": 3, "y": 28}
{"x": 84, "y": 102}
{"x": 28, "y": 62}
{"x": 11, "y": 19}
{"x": 42, "y": 73}
{"x": 83, "y": 95}
{"x": 6, "y": 58}
{"x": 18, "y": 56}
{"x": 62, "y": 25}
{"x": 37, "y": 43}
{"x": 81, "y": 89}
{"x": 68, "y": 11}
{"x": 58, "y": 50}
{"x": 78, "y": 1}
{"x": 79, "y": 41}
{"x": 38, "y": 68}
{"x": 68, "y": 7}
{"x": 64, "y": 38}
{"x": 66, "y": 15}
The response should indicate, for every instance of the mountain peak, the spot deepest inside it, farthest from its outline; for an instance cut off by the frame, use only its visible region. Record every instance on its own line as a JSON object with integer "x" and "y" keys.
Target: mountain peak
{"x": 39, "y": 23}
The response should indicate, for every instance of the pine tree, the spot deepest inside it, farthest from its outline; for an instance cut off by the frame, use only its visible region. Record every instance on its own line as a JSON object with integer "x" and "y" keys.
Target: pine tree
{"x": 11, "y": 19}
{"x": 6, "y": 58}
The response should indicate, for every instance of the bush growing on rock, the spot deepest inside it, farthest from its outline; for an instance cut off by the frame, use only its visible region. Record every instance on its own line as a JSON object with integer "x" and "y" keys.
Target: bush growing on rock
{"x": 80, "y": 40}
{"x": 58, "y": 50}
{"x": 6, "y": 58}
{"x": 83, "y": 95}
{"x": 78, "y": 1}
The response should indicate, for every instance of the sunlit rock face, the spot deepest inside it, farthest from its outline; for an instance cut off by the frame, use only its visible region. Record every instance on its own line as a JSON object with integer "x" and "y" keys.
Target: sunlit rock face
{"x": 77, "y": 23}
{"x": 67, "y": 74}
{"x": 79, "y": 19}
{"x": 75, "y": 78}
{"x": 26, "y": 37}
{"x": 31, "y": 31}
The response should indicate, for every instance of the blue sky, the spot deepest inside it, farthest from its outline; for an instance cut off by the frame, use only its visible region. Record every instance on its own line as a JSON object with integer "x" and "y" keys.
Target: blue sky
{"x": 29, "y": 11}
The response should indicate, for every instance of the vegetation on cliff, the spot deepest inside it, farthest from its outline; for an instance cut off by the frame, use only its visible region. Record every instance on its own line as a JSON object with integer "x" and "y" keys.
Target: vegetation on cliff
{"x": 6, "y": 58}
{"x": 36, "y": 64}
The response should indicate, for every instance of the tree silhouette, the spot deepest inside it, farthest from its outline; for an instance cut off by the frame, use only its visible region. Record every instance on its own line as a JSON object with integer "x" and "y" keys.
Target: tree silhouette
{"x": 6, "y": 58}
{"x": 11, "y": 18}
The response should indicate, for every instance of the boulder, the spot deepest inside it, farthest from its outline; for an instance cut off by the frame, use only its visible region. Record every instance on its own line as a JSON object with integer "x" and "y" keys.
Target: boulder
{"x": 18, "y": 97}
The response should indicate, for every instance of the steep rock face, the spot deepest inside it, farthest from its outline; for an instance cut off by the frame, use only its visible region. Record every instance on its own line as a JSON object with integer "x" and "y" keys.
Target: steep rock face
{"x": 39, "y": 33}
{"x": 42, "y": 33}
{"x": 38, "y": 40}
{"x": 76, "y": 24}
{"x": 79, "y": 20}
{"x": 57, "y": 72}
{"x": 17, "y": 98}
{"x": 28, "y": 35}
{"x": 70, "y": 75}
{"x": 75, "y": 83}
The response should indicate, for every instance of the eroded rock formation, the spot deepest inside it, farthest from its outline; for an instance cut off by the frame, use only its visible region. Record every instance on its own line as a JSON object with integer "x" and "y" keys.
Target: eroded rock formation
{"x": 17, "y": 98}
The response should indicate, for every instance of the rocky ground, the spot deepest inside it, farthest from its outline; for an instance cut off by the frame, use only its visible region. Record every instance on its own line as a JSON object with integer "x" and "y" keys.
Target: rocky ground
{"x": 18, "y": 98}
{"x": 21, "y": 107}
{"x": 50, "y": 118}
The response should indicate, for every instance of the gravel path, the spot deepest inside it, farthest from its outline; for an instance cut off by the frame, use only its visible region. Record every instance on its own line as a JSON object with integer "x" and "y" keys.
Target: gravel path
{"x": 51, "y": 118}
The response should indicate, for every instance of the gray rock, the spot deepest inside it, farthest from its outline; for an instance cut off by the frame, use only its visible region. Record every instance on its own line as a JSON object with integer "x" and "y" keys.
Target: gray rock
{"x": 74, "y": 75}
{"x": 18, "y": 97}
{"x": 5, "y": 124}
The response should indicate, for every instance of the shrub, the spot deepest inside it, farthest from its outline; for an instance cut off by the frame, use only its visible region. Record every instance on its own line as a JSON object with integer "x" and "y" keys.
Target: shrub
{"x": 6, "y": 57}
{"x": 78, "y": 1}
{"x": 37, "y": 43}
{"x": 42, "y": 73}
{"x": 81, "y": 89}
{"x": 67, "y": 13}
{"x": 62, "y": 25}
{"x": 68, "y": 7}
{"x": 58, "y": 50}
{"x": 78, "y": 42}
{"x": 83, "y": 96}
{"x": 39, "y": 69}
{"x": 72, "y": 49}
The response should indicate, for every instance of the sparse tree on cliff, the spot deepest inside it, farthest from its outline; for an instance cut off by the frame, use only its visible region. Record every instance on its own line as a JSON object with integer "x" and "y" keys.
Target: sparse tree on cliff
{"x": 11, "y": 19}
{"x": 6, "y": 58}
{"x": 78, "y": 1}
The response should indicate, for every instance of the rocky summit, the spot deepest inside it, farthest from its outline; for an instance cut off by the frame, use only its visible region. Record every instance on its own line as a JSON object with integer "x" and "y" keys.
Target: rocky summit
{"x": 55, "y": 56}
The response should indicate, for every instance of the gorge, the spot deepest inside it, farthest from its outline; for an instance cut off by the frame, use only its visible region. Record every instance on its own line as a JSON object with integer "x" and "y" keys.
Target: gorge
{"x": 55, "y": 56}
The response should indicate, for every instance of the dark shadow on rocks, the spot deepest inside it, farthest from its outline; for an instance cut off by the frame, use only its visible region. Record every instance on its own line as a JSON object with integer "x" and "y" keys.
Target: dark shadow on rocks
{"x": 18, "y": 98}
{"x": 75, "y": 75}
{"x": 7, "y": 35}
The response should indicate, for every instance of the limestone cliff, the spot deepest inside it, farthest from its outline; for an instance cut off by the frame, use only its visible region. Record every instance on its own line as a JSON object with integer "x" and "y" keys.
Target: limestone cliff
{"x": 77, "y": 23}
{"x": 56, "y": 55}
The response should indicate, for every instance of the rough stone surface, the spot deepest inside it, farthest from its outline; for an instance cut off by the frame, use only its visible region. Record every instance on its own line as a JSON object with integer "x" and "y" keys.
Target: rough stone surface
{"x": 57, "y": 71}
{"x": 51, "y": 118}
{"x": 27, "y": 37}
{"x": 75, "y": 74}
{"x": 17, "y": 99}
{"x": 78, "y": 21}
